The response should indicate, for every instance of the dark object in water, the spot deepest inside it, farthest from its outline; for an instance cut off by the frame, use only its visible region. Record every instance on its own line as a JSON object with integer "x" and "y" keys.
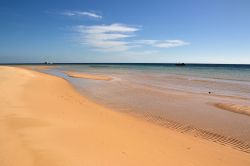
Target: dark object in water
{"x": 209, "y": 92}
{"x": 48, "y": 63}
{"x": 180, "y": 64}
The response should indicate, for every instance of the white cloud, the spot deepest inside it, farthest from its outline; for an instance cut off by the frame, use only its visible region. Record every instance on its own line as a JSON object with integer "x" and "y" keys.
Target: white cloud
{"x": 147, "y": 42}
{"x": 106, "y": 37}
{"x": 118, "y": 37}
{"x": 68, "y": 13}
{"x": 119, "y": 28}
{"x": 170, "y": 43}
{"x": 82, "y": 13}
{"x": 163, "y": 43}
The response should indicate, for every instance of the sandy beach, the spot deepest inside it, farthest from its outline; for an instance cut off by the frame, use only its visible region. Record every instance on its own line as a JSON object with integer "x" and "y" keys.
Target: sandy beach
{"x": 45, "y": 122}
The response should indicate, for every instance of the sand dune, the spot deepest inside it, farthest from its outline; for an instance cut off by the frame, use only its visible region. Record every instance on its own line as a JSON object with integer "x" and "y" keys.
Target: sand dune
{"x": 45, "y": 122}
{"x": 87, "y": 76}
{"x": 242, "y": 109}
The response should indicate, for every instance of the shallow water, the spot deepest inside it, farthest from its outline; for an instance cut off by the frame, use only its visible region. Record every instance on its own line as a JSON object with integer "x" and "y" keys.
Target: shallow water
{"x": 150, "y": 91}
{"x": 232, "y": 80}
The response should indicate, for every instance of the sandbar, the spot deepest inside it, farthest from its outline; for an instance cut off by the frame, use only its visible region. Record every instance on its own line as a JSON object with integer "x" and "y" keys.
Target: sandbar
{"x": 236, "y": 108}
{"x": 87, "y": 76}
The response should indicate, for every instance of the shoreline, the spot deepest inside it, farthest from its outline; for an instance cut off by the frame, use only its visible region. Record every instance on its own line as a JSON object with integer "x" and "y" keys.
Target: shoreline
{"x": 230, "y": 139}
{"x": 87, "y": 76}
{"x": 46, "y": 122}
{"x": 177, "y": 126}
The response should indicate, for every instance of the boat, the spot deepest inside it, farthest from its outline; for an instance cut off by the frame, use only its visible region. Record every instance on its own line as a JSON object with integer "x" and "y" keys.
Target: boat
{"x": 180, "y": 64}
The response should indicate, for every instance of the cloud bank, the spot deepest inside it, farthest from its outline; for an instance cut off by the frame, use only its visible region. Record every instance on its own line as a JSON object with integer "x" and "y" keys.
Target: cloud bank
{"x": 118, "y": 37}
{"x": 106, "y": 37}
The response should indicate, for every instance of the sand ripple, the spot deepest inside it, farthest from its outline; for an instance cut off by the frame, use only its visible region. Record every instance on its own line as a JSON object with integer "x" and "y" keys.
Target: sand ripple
{"x": 201, "y": 133}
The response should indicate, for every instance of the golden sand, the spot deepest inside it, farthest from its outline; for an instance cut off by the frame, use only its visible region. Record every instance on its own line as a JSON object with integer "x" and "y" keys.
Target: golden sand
{"x": 45, "y": 122}
{"x": 87, "y": 76}
{"x": 242, "y": 109}
{"x": 38, "y": 67}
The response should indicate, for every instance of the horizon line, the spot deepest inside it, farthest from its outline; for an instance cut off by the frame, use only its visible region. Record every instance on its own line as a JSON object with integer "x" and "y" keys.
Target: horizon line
{"x": 75, "y": 63}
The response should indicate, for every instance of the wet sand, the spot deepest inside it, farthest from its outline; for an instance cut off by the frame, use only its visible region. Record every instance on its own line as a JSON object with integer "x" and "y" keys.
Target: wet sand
{"x": 87, "y": 76}
{"x": 44, "y": 121}
{"x": 174, "y": 109}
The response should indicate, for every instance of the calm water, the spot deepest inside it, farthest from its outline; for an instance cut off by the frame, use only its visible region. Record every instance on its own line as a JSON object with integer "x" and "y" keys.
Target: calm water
{"x": 231, "y": 80}
{"x": 149, "y": 90}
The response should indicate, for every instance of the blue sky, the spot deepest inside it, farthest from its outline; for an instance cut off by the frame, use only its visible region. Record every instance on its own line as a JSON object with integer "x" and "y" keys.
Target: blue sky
{"x": 190, "y": 31}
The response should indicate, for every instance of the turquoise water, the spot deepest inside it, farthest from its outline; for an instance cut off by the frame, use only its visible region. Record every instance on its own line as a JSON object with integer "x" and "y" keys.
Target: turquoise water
{"x": 150, "y": 90}
{"x": 229, "y": 80}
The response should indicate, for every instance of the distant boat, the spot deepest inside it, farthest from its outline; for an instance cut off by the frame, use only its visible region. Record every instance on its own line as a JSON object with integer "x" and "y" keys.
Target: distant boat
{"x": 180, "y": 64}
{"x": 48, "y": 63}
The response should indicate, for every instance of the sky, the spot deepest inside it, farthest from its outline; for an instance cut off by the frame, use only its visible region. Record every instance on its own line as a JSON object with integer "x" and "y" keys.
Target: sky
{"x": 129, "y": 31}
